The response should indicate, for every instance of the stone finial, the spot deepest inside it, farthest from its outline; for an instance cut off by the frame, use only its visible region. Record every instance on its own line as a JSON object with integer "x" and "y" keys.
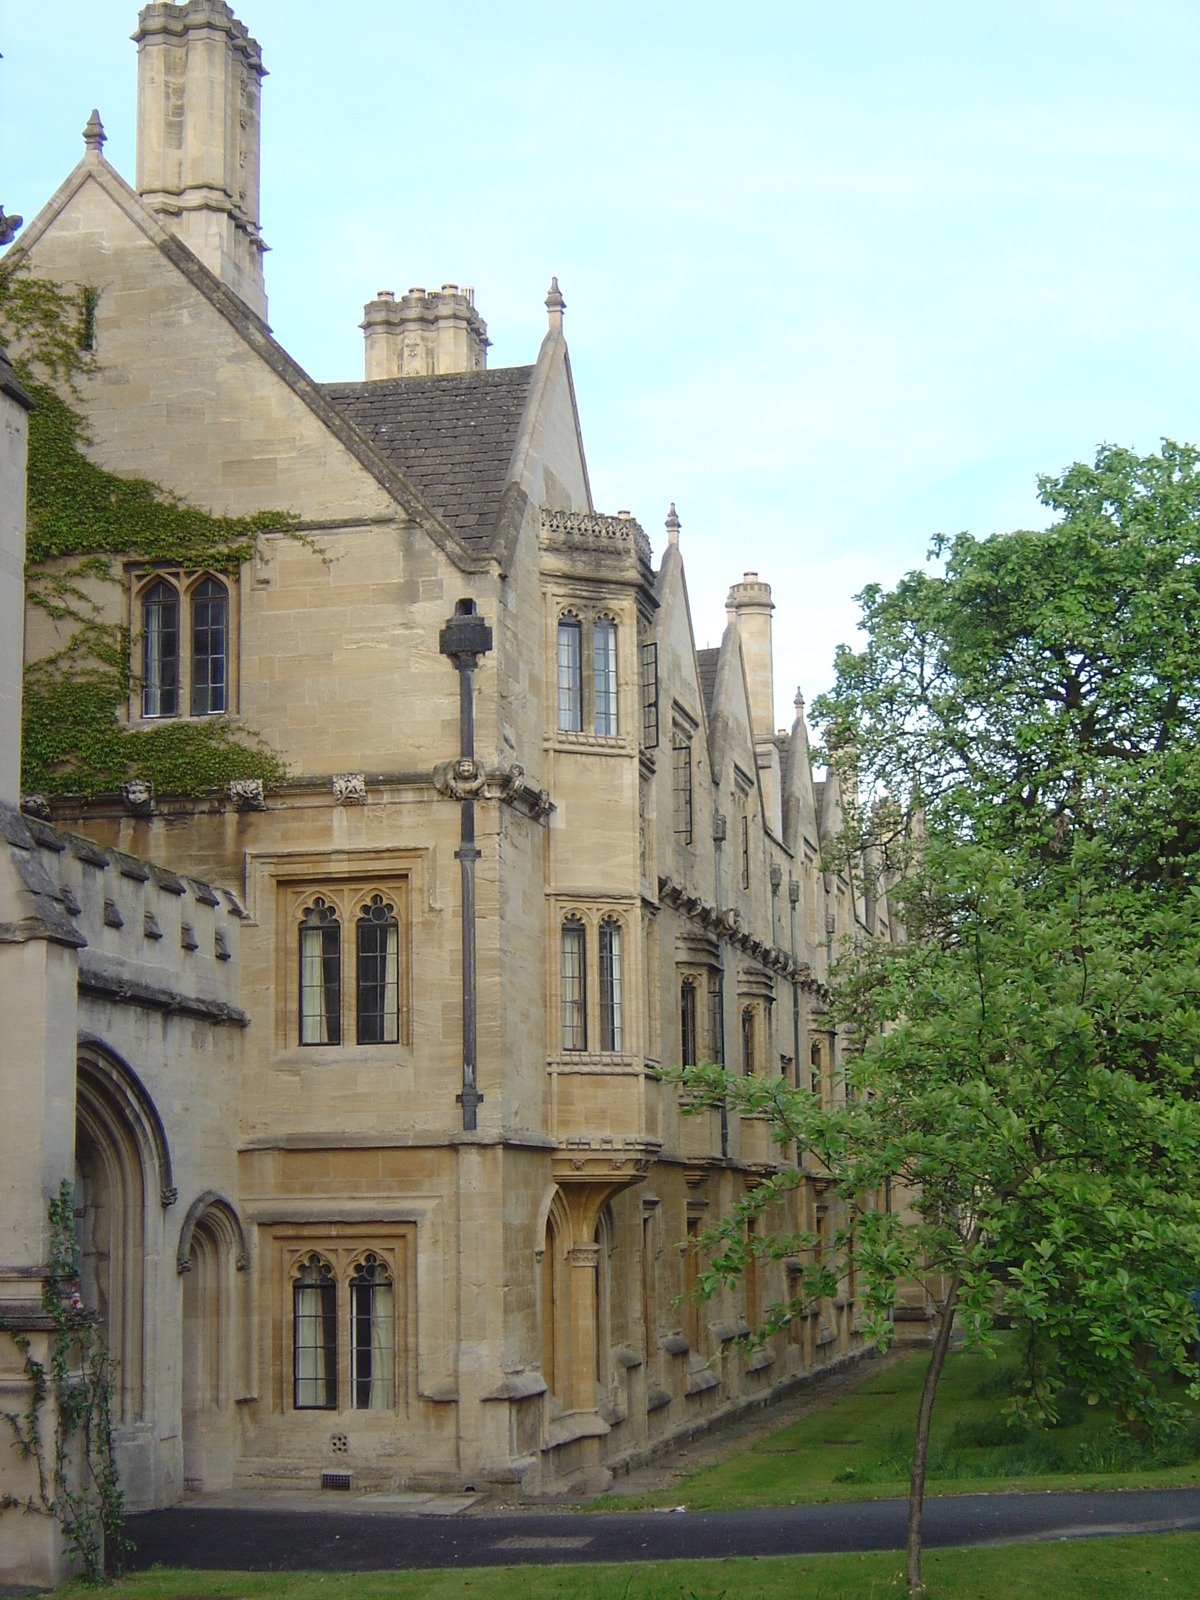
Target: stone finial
{"x": 799, "y": 703}
{"x": 672, "y": 525}
{"x": 555, "y": 305}
{"x": 94, "y": 134}
{"x": 9, "y": 227}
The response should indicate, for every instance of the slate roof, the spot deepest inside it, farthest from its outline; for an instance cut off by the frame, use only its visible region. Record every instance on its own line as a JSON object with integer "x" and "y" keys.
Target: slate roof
{"x": 707, "y": 660}
{"x": 451, "y": 436}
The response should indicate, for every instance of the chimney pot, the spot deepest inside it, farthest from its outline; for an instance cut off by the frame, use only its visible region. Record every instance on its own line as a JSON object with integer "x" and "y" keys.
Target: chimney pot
{"x": 423, "y": 334}
{"x": 449, "y": 288}
{"x": 386, "y": 294}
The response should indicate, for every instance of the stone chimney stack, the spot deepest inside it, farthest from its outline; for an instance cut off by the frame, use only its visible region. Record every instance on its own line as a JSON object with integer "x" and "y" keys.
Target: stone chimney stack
{"x": 198, "y": 137}
{"x": 749, "y": 606}
{"x": 424, "y": 334}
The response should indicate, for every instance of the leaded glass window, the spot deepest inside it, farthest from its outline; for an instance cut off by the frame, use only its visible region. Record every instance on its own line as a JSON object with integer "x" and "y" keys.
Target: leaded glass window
{"x": 574, "y": 986}
{"x": 604, "y": 643}
{"x": 210, "y": 635}
{"x": 372, "y": 1337}
{"x": 716, "y": 1017}
{"x": 320, "y": 976}
{"x": 314, "y": 1337}
{"x": 611, "y": 998}
{"x": 650, "y": 695}
{"x": 570, "y": 675}
{"x": 681, "y": 787}
{"x": 748, "y": 1042}
{"x": 687, "y": 1024}
{"x": 160, "y": 651}
{"x": 378, "y": 973}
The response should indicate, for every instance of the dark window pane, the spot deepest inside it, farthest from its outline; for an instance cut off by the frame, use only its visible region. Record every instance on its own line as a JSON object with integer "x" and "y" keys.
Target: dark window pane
{"x": 372, "y": 1338}
{"x": 687, "y": 1025}
{"x": 681, "y": 786}
{"x": 574, "y": 988}
{"x": 210, "y": 627}
{"x": 160, "y": 652}
{"x": 378, "y": 974}
{"x": 650, "y": 695}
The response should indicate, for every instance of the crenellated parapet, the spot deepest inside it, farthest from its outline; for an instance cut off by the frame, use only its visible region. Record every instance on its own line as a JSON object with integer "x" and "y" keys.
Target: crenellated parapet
{"x": 146, "y": 937}
{"x": 617, "y": 542}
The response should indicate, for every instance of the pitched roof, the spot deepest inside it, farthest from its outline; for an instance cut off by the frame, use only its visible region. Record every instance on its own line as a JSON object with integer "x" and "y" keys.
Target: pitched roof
{"x": 451, "y": 436}
{"x": 706, "y": 661}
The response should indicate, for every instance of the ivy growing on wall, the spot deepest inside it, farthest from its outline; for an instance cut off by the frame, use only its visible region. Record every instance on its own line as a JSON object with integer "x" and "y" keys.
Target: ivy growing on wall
{"x": 82, "y": 521}
{"x": 76, "y": 1470}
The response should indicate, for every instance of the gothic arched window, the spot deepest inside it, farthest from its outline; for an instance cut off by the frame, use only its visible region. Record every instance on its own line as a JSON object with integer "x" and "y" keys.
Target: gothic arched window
{"x": 372, "y": 1337}
{"x": 378, "y": 975}
{"x": 611, "y": 995}
{"x": 604, "y": 651}
{"x": 210, "y": 636}
{"x": 574, "y": 986}
{"x": 570, "y": 675}
{"x": 314, "y": 1337}
{"x": 320, "y": 976}
{"x": 160, "y": 651}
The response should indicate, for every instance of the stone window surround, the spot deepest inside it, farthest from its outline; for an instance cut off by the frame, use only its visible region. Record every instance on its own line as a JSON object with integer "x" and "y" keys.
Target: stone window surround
{"x": 139, "y": 578}
{"x": 347, "y": 896}
{"x": 590, "y": 916}
{"x": 343, "y": 1246}
{"x": 586, "y": 614}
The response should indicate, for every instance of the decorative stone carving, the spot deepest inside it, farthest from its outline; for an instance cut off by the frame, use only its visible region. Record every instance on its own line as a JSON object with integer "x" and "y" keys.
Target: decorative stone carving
{"x": 36, "y": 805}
{"x": 794, "y": 890}
{"x": 247, "y": 794}
{"x": 349, "y": 789}
{"x": 776, "y": 877}
{"x": 138, "y": 795}
{"x": 720, "y": 828}
{"x": 461, "y": 780}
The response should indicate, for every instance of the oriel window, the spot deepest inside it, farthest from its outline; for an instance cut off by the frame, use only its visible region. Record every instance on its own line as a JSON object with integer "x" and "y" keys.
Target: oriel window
{"x": 314, "y": 1337}
{"x": 687, "y": 1024}
{"x": 372, "y": 1337}
{"x": 570, "y": 675}
{"x": 320, "y": 976}
{"x": 681, "y": 787}
{"x": 160, "y": 651}
{"x": 604, "y": 650}
{"x": 210, "y": 634}
{"x": 378, "y": 973}
{"x": 611, "y": 1000}
{"x": 574, "y": 986}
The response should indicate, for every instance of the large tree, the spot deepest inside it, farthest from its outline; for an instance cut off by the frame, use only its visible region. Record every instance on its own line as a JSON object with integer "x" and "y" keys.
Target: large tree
{"x": 1018, "y": 737}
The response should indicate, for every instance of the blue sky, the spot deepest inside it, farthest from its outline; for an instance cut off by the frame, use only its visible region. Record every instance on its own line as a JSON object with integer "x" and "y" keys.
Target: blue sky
{"x": 838, "y": 277}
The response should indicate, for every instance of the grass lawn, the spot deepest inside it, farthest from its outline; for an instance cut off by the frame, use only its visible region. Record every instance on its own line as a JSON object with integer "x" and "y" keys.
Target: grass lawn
{"x": 1092, "y": 1569}
{"x": 859, "y": 1447}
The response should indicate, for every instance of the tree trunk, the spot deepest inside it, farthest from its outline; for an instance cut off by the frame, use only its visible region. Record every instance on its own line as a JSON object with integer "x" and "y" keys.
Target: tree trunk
{"x": 916, "y": 1489}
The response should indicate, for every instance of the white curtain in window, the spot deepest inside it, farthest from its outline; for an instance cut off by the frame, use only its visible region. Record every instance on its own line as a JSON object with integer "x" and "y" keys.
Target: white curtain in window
{"x": 314, "y": 1019}
{"x": 383, "y": 1351}
{"x": 310, "y": 1347}
{"x": 391, "y": 989}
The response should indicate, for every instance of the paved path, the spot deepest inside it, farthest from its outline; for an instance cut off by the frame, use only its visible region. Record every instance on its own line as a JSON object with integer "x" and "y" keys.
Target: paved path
{"x": 374, "y": 1534}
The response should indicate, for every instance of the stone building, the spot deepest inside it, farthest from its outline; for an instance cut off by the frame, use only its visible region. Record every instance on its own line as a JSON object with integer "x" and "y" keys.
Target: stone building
{"x": 455, "y": 1191}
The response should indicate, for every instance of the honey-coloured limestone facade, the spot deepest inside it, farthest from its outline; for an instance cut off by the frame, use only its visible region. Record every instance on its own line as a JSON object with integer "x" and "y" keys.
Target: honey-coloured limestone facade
{"x": 386, "y": 1290}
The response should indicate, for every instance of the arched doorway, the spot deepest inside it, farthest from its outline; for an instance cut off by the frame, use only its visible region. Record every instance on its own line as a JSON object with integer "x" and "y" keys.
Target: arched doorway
{"x": 110, "y": 1220}
{"x": 212, "y": 1248}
